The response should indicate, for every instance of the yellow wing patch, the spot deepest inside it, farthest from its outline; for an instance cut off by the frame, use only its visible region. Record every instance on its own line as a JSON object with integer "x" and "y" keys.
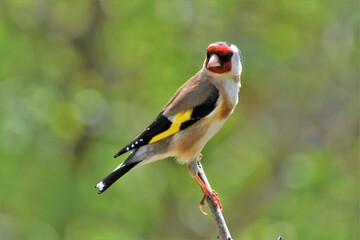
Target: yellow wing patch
{"x": 178, "y": 119}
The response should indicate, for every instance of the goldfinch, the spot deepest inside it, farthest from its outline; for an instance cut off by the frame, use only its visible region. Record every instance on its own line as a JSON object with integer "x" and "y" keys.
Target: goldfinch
{"x": 193, "y": 115}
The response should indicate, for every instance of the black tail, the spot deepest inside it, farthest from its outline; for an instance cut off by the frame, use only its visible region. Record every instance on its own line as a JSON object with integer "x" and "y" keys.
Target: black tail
{"x": 115, "y": 175}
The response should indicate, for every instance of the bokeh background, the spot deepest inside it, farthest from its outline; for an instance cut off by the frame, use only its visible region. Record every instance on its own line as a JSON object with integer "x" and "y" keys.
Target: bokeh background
{"x": 80, "y": 79}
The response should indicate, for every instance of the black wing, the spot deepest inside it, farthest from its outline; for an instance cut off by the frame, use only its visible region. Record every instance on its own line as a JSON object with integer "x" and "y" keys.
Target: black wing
{"x": 163, "y": 127}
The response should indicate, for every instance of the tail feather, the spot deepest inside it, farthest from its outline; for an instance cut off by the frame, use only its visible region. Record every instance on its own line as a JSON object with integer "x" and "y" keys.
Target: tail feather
{"x": 114, "y": 176}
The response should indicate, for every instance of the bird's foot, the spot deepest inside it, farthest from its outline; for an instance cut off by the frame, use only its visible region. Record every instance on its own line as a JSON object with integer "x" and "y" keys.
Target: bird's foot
{"x": 208, "y": 193}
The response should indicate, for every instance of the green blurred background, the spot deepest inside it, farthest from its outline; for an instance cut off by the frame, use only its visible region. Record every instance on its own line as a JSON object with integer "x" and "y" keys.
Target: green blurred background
{"x": 80, "y": 79}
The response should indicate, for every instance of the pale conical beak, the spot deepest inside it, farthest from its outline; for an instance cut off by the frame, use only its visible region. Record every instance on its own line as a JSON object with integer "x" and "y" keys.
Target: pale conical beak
{"x": 214, "y": 61}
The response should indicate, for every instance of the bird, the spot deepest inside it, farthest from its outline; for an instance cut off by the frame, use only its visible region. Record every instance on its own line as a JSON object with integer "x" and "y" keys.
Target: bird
{"x": 192, "y": 116}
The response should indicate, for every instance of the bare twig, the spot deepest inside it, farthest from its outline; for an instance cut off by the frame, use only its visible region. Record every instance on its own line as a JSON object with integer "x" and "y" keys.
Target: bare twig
{"x": 224, "y": 234}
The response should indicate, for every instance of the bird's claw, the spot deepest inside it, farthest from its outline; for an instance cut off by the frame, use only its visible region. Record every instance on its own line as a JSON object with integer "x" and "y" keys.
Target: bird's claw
{"x": 215, "y": 198}
{"x": 208, "y": 193}
{"x": 202, "y": 203}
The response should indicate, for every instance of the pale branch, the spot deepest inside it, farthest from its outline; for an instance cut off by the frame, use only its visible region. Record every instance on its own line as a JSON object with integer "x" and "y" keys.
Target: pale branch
{"x": 223, "y": 231}
{"x": 224, "y": 234}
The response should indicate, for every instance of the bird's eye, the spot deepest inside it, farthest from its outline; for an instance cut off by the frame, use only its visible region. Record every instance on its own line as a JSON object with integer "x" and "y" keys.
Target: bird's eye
{"x": 226, "y": 57}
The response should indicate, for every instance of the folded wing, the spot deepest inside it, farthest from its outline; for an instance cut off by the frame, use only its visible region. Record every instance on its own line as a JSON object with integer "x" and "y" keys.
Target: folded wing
{"x": 183, "y": 116}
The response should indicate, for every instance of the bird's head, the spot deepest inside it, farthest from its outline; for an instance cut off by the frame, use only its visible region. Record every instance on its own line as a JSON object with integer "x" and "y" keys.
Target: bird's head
{"x": 223, "y": 58}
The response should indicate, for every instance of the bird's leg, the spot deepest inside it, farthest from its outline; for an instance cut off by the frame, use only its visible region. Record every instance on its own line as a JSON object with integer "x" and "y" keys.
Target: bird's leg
{"x": 208, "y": 192}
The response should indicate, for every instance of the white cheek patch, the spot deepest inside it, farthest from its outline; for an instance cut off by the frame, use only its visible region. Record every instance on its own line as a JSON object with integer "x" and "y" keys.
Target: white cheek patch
{"x": 232, "y": 89}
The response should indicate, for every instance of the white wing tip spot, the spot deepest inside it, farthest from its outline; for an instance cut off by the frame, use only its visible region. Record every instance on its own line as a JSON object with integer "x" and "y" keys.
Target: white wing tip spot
{"x": 100, "y": 186}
